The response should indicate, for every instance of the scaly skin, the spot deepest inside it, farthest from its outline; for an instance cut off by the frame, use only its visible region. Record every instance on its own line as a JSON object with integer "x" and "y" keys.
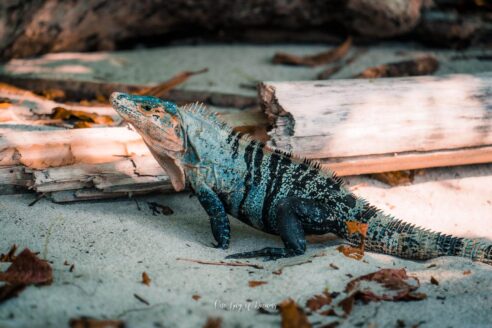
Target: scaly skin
{"x": 270, "y": 190}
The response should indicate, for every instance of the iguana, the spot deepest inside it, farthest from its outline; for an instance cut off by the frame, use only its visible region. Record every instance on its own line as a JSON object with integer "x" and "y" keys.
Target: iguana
{"x": 270, "y": 190}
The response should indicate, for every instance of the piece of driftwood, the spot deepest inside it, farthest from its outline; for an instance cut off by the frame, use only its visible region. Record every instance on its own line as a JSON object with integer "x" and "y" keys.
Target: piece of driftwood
{"x": 30, "y": 27}
{"x": 131, "y": 174}
{"x": 43, "y": 149}
{"x": 76, "y": 90}
{"x": 19, "y": 106}
{"x": 367, "y": 126}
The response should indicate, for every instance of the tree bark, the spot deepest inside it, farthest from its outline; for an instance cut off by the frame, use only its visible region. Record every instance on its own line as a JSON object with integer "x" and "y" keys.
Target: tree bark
{"x": 33, "y": 27}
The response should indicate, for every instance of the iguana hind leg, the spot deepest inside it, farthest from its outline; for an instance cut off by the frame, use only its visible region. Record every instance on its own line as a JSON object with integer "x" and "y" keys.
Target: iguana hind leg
{"x": 290, "y": 229}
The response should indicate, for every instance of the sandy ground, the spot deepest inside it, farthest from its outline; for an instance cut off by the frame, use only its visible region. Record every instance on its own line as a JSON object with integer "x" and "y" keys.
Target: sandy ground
{"x": 112, "y": 242}
{"x": 230, "y": 66}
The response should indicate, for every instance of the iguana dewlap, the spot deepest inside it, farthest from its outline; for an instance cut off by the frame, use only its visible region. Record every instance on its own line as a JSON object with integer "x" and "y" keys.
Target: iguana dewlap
{"x": 270, "y": 190}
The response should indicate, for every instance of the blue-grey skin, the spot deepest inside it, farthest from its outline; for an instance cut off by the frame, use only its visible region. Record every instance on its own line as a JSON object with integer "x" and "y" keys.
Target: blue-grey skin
{"x": 271, "y": 190}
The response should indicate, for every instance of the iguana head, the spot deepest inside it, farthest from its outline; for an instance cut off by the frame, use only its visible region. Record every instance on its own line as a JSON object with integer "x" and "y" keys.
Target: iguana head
{"x": 160, "y": 125}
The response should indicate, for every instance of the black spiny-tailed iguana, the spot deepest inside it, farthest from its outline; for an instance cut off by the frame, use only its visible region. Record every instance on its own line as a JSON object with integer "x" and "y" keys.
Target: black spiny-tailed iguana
{"x": 270, "y": 190}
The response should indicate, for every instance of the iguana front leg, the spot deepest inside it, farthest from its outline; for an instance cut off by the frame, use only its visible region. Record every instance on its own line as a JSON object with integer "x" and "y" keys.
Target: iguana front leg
{"x": 217, "y": 214}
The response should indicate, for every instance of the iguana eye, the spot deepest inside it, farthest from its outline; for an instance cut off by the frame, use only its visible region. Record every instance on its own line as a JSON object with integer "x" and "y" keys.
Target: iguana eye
{"x": 146, "y": 107}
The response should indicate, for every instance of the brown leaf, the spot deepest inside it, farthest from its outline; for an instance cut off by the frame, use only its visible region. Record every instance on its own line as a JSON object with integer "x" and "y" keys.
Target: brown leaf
{"x": 67, "y": 114}
{"x": 4, "y": 104}
{"x": 328, "y": 313}
{"x": 466, "y": 272}
{"x": 395, "y": 178}
{"x": 354, "y": 227}
{"x": 434, "y": 281}
{"x": 53, "y": 94}
{"x": 322, "y": 58}
{"x": 8, "y": 291}
{"x": 333, "y": 266}
{"x": 347, "y": 304}
{"x": 95, "y": 323}
{"x": 28, "y": 269}
{"x": 213, "y": 323}
{"x": 256, "y": 283}
{"x": 163, "y": 88}
{"x": 420, "y": 66}
{"x": 10, "y": 256}
{"x": 146, "y": 279}
{"x": 157, "y": 208}
{"x": 318, "y": 301}
{"x": 392, "y": 279}
{"x": 330, "y": 325}
{"x": 292, "y": 315}
{"x": 83, "y": 125}
{"x": 328, "y": 72}
{"x": 196, "y": 297}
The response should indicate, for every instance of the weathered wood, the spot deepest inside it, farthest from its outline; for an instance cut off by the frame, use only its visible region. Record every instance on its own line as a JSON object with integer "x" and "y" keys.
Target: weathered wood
{"x": 32, "y": 27}
{"x": 43, "y": 149}
{"x": 76, "y": 90}
{"x": 138, "y": 173}
{"x": 24, "y": 107}
{"x": 385, "y": 124}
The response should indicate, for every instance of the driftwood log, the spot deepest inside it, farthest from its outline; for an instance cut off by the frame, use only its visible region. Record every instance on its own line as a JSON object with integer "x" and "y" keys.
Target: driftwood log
{"x": 352, "y": 126}
{"x": 32, "y": 27}
{"x": 368, "y": 126}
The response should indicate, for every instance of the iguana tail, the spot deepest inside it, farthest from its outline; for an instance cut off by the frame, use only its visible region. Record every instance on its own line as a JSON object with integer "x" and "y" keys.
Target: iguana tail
{"x": 395, "y": 237}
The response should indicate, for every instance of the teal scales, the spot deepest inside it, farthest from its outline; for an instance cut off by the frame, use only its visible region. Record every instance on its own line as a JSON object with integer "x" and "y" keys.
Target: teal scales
{"x": 270, "y": 190}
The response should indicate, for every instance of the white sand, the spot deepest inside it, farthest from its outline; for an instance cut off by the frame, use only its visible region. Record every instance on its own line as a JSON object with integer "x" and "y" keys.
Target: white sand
{"x": 111, "y": 242}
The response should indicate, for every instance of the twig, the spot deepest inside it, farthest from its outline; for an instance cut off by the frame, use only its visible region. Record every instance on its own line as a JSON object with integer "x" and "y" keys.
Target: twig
{"x": 238, "y": 264}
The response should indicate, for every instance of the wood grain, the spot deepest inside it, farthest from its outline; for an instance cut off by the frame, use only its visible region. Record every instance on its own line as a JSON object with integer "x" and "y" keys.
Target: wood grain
{"x": 384, "y": 124}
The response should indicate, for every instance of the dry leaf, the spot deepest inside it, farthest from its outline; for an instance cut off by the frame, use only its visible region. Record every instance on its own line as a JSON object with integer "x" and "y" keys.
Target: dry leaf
{"x": 10, "y": 256}
{"x": 292, "y": 315}
{"x": 95, "y": 323}
{"x": 347, "y": 304}
{"x": 420, "y": 66}
{"x": 395, "y": 178}
{"x": 83, "y": 125}
{"x": 67, "y": 114}
{"x": 5, "y": 103}
{"x": 333, "y": 266}
{"x": 466, "y": 272}
{"x": 213, "y": 323}
{"x": 328, "y": 72}
{"x": 354, "y": 227}
{"x": 26, "y": 269}
{"x": 146, "y": 279}
{"x": 318, "y": 301}
{"x": 434, "y": 281}
{"x": 314, "y": 60}
{"x": 53, "y": 94}
{"x": 157, "y": 208}
{"x": 163, "y": 88}
{"x": 196, "y": 297}
{"x": 256, "y": 283}
{"x": 394, "y": 280}
{"x": 8, "y": 291}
